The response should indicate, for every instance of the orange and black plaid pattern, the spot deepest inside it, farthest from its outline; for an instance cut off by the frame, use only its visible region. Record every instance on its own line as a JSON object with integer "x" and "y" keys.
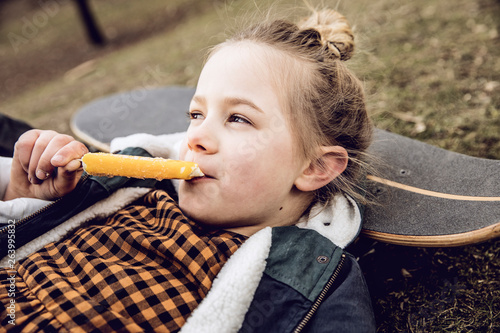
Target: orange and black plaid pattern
{"x": 145, "y": 269}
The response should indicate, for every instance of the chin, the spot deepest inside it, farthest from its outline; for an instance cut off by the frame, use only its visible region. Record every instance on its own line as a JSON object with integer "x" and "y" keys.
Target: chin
{"x": 194, "y": 212}
{"x": 212, "y": 219}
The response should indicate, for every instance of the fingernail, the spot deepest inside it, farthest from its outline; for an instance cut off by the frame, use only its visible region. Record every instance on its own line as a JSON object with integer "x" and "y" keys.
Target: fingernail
{"x": 42, "y": 175}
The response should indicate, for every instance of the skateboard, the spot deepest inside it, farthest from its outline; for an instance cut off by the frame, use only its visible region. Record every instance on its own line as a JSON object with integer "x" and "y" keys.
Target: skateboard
{"x": 428, "y": 196}
{"x": 422, "y": 195}
{"x": 153, "y": 111}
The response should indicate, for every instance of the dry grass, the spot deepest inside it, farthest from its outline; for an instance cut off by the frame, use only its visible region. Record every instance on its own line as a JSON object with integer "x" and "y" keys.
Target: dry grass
{"x": 431, "y": 69}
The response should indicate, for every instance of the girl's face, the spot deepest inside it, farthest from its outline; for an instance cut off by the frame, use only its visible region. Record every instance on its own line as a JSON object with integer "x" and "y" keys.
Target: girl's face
{"x": 240, "y": 138}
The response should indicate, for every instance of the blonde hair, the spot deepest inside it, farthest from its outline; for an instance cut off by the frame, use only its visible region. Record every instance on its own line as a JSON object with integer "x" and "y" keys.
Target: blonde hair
{"x": 325, "y": 100}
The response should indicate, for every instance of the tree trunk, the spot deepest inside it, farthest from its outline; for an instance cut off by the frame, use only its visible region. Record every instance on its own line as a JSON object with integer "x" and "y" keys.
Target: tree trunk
{"x": 93, "y": 31}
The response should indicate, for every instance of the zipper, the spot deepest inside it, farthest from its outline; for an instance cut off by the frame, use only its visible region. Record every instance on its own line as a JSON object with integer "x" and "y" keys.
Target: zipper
{"x": 321, "y": 296}
{"x": 29, "y": 217}
{"x": 38, "y": 212}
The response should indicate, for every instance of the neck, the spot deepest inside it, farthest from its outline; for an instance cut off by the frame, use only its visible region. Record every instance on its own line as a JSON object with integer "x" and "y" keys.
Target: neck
{"x": 288, "y": 215}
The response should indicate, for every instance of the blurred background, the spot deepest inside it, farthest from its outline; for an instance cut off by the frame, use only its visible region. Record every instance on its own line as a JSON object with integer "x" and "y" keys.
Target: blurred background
{"x": 431, "y": 70}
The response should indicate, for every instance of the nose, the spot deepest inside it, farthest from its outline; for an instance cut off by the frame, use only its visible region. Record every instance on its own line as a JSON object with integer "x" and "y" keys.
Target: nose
{"x": 201, "y": 138}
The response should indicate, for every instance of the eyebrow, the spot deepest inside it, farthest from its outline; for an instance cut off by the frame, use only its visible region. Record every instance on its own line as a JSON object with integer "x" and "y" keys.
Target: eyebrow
{"x": 199, "y": 100}
{"x": 231, "y": 101}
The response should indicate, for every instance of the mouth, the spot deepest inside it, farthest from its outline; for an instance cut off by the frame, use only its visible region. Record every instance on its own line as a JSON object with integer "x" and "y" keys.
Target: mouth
{"x": 197, "y": 179}
{"x": 202, "y": 174}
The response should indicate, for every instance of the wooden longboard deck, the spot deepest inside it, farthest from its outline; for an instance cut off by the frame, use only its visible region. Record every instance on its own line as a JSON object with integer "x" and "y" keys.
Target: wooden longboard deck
{"x": 426, "y": 196}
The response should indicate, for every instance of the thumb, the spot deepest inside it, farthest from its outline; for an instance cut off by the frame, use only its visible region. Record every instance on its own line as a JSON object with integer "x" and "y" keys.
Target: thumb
{"x": 67, "y": 178}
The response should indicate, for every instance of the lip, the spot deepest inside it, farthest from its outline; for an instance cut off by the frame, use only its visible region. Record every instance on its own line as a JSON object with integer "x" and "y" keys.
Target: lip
{"x": 206, "y": 170}
{"x": 200, "y": 179}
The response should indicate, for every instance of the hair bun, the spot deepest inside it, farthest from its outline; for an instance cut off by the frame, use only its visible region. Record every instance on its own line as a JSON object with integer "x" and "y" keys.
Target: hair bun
{"x": 335, "y": 32}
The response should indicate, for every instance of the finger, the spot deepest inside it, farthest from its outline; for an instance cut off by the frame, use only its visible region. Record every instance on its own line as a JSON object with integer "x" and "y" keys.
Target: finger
{"x": 39, "y": 161}
{"x": 72, "y": 151}
{"x": 24, "y": 147}
{"x": 68, "y": 177}
{"x": 74, "y": 165}
{"x": 69, "y": 166}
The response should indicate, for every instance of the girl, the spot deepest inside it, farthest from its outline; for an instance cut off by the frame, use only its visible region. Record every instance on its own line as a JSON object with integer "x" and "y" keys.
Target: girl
{"x": 279, "y": 127}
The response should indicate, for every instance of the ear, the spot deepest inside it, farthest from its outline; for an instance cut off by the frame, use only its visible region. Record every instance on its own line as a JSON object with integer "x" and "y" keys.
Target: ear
{"x": 329, "y": 164}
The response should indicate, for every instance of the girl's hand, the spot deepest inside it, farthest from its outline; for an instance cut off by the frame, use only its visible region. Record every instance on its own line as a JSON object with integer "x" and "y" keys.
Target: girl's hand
{"x": 45, "y": 165}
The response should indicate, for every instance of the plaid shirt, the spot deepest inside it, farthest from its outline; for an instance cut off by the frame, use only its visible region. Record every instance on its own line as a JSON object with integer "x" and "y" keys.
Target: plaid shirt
{"x": 144, "y": 269}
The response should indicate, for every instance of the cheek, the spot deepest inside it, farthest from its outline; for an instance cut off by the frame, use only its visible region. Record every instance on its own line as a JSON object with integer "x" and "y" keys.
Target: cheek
{"x": 267, "y": 171}
{"x": 268, "y": 148}
{"x": 183, "y": 149}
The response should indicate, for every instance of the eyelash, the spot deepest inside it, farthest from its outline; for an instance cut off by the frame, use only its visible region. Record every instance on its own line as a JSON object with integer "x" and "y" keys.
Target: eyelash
{"x": 243, "y": 120}
{"x": 193, "y": 114}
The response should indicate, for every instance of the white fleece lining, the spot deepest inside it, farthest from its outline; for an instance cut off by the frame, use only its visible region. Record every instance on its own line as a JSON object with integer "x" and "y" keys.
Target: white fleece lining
{"x": 224, "y": 308}
{"x": 103, "y": 208}
{"x": 340, "y": 221}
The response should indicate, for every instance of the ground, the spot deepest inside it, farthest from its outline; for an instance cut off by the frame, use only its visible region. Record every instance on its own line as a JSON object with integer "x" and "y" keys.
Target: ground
{"x": 431, "y": 71}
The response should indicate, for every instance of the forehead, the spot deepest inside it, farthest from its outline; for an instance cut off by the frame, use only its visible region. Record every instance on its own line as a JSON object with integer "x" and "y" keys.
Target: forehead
{"x": 288, "y": 73}
{"x": 241, "y": 70}
{"x": 252, "y": 63}
{"x": 245, "y": 60}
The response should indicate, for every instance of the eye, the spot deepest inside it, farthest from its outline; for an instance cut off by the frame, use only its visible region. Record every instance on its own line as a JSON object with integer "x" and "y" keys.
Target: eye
{"x": 235, "y": 118}
{"x": 193, "y": 115}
